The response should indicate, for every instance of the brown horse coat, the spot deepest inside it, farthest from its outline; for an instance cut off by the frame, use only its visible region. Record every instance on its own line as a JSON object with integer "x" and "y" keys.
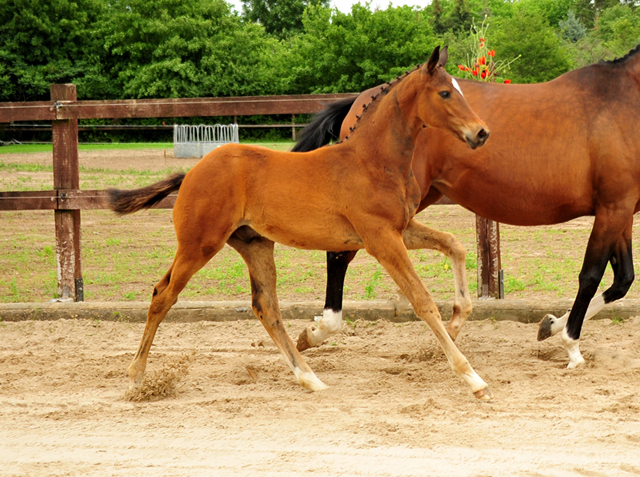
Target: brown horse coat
{"x": 559, "y": 150}
{"x": 357, "y": 194}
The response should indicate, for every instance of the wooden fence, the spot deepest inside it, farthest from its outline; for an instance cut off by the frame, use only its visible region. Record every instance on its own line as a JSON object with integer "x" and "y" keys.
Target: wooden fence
{"x": 67, "y": 200}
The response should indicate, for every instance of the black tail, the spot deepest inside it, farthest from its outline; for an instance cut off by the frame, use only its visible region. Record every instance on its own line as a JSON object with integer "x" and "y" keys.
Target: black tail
{"x": 128, "y": 201}
{"x": 324, "y": 127}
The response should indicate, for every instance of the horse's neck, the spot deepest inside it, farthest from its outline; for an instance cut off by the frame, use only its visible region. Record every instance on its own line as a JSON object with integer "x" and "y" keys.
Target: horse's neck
{"x": 386, "y": 135}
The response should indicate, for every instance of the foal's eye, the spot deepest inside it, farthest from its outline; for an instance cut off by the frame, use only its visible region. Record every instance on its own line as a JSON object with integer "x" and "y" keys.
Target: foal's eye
{"x": 445, "y": 94}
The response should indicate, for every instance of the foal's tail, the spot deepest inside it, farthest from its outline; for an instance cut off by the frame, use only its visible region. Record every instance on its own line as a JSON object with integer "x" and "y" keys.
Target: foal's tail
{"x": 128, "y": 201}
{"x": 324, "y": 127}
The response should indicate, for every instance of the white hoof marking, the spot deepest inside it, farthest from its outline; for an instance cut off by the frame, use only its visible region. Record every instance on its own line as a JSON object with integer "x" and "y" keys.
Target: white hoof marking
{"x": 309, "y": 380}
{"x": 573, "y": 349}
{"x": 329, "y": 324}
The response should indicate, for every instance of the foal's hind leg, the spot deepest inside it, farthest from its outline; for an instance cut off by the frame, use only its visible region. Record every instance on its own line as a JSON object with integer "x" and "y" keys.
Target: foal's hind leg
{"x": 390, "y": 251}
{"x": 257, "y": 252}
{"x": 165, "y": 294}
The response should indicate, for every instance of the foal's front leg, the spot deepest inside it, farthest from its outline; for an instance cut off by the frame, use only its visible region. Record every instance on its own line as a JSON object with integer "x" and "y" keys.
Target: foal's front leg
{"x": 257, "y": 253}
{"x": 416, "y": 236}
{"x": 388, "y": 248}
{"x": 419, "y": 236}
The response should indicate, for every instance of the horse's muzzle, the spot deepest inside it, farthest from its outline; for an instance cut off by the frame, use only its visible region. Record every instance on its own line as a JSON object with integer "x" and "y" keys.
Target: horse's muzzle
{"x": 478, "y": 138}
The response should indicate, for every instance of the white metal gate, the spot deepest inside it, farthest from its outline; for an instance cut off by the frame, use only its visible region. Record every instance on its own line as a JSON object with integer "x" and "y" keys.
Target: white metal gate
{"x": 198, "y": 141}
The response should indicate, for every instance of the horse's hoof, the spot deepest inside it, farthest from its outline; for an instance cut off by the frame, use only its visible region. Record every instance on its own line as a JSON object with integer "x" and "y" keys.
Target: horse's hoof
{"x": 483, "y": 394}
{"x": 309, "y": 381}
{"x": 303, "y": 339}
{"x": 544, "y": 327}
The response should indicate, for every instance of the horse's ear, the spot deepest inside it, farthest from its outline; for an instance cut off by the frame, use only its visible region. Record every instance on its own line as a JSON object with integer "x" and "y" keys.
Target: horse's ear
{"x": 444, "y": 56}
{"x": 432, "y": 64}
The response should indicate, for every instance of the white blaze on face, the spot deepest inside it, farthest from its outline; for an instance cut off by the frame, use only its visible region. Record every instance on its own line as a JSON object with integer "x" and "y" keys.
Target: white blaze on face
{"x": 456, "y": 86}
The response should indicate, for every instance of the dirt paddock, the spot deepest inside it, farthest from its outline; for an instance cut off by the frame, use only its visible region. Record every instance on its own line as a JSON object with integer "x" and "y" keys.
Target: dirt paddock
{"x": 393, "y": 407}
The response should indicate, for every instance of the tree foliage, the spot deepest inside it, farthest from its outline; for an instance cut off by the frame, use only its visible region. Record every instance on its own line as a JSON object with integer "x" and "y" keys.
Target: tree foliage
{"x": 282, "y": 18}
{"x": 351, "y": 52}
{"x": 174, "y": 48}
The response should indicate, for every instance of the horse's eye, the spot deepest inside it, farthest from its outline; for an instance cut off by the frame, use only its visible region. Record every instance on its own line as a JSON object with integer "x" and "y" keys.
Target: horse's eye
{"x": 445, "y": 94}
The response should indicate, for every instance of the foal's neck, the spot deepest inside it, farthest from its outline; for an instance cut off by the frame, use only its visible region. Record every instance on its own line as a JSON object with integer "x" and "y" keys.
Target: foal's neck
{"x": 386, "y": 132}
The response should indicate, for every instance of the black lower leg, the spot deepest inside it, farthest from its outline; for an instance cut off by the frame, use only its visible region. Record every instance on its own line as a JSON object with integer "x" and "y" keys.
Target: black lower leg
{"x": 337, "y": 264}
{"x": 590, "y": 278}
{"x": 623, "y": 274}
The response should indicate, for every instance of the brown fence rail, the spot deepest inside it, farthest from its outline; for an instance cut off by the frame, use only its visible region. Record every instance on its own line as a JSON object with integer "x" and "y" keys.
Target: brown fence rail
{"x": 67, "y": 200}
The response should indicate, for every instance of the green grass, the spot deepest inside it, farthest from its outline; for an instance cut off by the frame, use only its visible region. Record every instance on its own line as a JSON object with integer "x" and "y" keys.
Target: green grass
{"x": 33, "y": 148}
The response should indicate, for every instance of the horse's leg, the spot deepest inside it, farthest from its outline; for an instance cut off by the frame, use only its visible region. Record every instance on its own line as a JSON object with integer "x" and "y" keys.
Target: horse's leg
{"x": 258, "y": 255}
{"x": 419, "y": 236}
{"x": 331, "y": 320}
{"x": 606, "y": 243}
{"x": 623, "y": 276}
{"x": 415, "y": 236}
{"x": 388, "y": 248}
{"x": 165, "y": 294}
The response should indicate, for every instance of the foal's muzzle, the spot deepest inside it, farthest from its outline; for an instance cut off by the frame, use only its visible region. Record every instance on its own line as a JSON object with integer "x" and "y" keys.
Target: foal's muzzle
{"x": 477, "y": 138}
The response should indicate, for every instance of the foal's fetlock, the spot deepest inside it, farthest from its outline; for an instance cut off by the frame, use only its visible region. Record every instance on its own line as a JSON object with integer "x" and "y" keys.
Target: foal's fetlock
{"x": 399, "y": 303}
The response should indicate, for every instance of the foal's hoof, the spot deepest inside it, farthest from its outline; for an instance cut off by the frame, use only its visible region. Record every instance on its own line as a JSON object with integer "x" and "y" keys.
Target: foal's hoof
{"x": 484, "y": 394}
{"x": 304, "y": 339}
{"x": 544, "y": 327}
{"x": 399, "y": 303}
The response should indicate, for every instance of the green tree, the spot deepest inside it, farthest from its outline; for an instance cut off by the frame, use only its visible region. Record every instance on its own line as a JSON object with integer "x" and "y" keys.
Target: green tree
{"x": 619, "y": 29}
{"x": 461, "y": 17}
{"x": 188, "y": 48}
{"x": 42, "y": 43}
{"x": 527, "y": 34}
{"x": 351, "y": 52}
{"x": 572, "y": 28}
{"x": 279, "y": 17}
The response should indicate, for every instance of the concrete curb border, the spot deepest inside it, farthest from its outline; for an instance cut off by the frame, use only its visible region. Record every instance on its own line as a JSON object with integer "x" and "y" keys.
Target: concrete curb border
{"x": 514, "y": 310}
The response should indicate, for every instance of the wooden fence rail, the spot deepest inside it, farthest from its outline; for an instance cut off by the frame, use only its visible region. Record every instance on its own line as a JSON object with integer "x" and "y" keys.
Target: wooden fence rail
{"x": 67, "y": 200}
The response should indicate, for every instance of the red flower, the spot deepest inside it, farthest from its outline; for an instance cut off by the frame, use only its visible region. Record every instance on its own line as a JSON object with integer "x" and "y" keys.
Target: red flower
{"x": 507, "y": 81}
{"x": 461, "y": 67}
{"x": 474, "y": 72}
{"x": 482, "y": 60}
{"x": 484, "y": 74}
{"x": 491, "y": 53}
{"x": 481, "y": 42}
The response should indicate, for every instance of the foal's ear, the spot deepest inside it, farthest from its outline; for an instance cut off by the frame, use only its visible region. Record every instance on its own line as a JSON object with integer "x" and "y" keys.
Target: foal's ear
{"x": 444, "y": 56}
{"x": 438, "y": 58}
{"x": 432, "y": 64}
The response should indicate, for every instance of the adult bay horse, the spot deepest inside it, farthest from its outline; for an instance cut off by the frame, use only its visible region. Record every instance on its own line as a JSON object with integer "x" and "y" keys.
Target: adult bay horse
{"x": 360, "y": 193}
{"x": 559, "y": 150}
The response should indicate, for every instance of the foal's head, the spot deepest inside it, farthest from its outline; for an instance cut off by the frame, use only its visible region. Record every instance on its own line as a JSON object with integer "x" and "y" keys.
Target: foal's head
{"x": 442, "y": 104}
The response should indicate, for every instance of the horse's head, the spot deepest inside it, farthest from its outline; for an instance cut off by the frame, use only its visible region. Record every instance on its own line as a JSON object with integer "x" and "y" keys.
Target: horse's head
{"x": 442, "y": 104}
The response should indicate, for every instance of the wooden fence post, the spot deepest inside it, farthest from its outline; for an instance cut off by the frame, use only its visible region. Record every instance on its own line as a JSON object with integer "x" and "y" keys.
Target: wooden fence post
{"x": 66, "y": 176}
{"x": 490, "y": 281}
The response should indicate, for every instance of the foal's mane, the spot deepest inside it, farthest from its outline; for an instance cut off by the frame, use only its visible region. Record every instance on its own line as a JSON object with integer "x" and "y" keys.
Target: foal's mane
{"x": 624, "y": 58}
{"x": 386, "y": 87}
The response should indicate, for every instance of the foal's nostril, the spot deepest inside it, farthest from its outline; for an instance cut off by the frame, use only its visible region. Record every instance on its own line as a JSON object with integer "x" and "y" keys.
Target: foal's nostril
{"x": 482, "y": 134}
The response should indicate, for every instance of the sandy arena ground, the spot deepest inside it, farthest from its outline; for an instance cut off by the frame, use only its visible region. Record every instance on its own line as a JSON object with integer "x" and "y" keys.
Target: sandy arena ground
{"x": 393, "y": 407}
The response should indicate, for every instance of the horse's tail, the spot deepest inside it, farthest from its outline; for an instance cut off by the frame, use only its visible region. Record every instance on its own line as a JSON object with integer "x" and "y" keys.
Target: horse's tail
{"x": 128, "y": 201}
{"x": 324, "y": 127}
